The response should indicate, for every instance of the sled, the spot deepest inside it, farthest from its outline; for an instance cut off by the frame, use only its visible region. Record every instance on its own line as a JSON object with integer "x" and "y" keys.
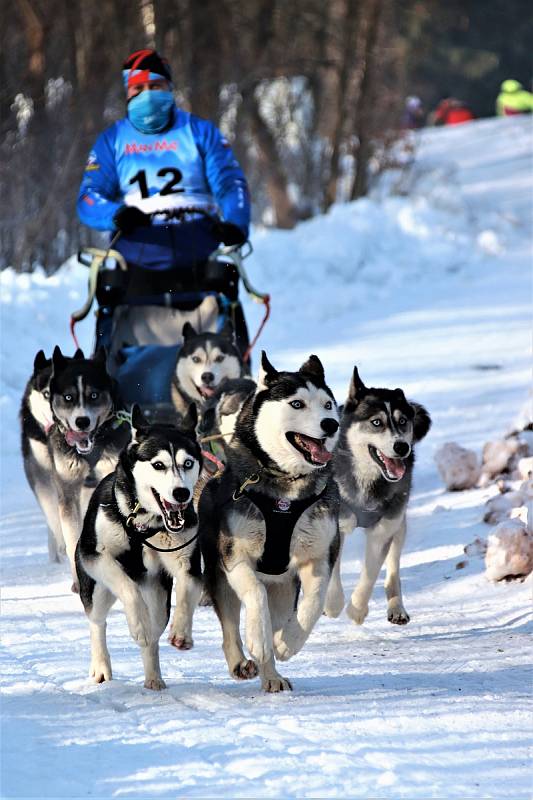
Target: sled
{"x": 141, "y": 329}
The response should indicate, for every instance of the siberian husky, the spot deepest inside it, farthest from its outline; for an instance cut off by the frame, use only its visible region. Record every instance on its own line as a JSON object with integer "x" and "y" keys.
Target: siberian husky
{"x": 140, "y": 531}
{"x": 36, "y": 420}
{"x": 220, "y": 415}
{"x": 85, "y": 441}
{"x": 269, "y": 524}
{"x": 373, "y": 467}
{"x": 204, "y": 361}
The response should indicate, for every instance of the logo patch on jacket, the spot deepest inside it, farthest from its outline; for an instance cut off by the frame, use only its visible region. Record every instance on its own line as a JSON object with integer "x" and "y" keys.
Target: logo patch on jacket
{"x": 162, "y": 146}
{"x": 282, "y": 505}
{"x": 92, "y": 164}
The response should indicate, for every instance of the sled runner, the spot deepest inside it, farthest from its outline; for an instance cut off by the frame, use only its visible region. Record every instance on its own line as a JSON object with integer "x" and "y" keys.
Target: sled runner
{"x": 141, "y": 313}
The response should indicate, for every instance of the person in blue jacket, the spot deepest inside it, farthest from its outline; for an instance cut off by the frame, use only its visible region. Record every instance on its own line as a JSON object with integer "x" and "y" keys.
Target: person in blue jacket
{"x": 160, "y": 156}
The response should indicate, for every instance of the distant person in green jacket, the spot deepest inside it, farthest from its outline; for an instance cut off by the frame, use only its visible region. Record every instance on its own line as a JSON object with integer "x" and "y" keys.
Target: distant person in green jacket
{"x": 513, "y": 99}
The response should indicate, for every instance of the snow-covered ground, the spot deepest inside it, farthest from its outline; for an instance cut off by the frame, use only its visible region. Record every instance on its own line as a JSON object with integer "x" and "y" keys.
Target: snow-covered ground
{"x": 429, "y": 290}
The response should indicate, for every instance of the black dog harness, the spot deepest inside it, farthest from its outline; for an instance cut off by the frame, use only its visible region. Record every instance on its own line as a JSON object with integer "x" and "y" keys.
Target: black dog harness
{"x": 280, "y": 518}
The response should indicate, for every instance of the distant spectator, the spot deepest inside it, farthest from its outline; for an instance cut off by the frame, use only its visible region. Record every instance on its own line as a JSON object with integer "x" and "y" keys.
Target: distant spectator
{"x": 451, "y": 111}
{"x": 513, "y": 99}
{"x": 413, "y": 115}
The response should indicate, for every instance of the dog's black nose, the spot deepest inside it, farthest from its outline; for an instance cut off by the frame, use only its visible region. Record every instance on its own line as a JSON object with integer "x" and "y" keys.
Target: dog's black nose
{"x": 329, "y": 426}
{"x": 401, "y": 449}
{"x": 207, "y": 377}
{"x": 181, "y": 495}
{"x": 82, "y": 423}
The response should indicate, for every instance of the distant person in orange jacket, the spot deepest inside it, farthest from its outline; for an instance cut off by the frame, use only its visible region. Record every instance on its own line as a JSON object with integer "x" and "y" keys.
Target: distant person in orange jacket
{"x": 451, "y": 111}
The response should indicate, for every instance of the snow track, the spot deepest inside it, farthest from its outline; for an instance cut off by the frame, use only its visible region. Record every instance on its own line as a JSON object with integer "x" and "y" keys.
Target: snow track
{"x": 440, "y": 708}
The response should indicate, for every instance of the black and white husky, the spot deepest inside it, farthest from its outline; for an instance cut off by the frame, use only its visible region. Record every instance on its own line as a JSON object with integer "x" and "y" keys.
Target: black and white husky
{"x": 374, "y": 468}
{"x": 36, "y": 421}
{"x": 269, "y": 524}
{"x": 140, "y": 531}
{"x": 85, "y": 440}
{"x": 204, "y": 361}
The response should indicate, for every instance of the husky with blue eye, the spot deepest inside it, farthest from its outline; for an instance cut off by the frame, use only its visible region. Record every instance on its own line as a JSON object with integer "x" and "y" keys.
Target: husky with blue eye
{"x": 140, "y": 533}
{"x": 85, "y": 440}
{"x": 373, "y": 467}
{"x": 269, "y": 524}
{"x": 36, "y": 421}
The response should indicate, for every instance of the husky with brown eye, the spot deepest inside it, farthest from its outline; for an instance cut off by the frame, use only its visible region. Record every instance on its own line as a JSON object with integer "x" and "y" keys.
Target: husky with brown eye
{"x": 374, "y": 468}
{"x": 269, "y": 524}
{"x": 205, "y": 362}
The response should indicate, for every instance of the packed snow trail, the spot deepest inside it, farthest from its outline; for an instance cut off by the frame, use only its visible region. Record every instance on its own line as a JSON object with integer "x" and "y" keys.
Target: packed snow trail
{"x": 428, "y": 291}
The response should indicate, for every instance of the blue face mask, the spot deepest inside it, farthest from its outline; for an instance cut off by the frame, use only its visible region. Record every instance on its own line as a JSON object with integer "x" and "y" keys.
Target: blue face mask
{"x": 150, "y": 110}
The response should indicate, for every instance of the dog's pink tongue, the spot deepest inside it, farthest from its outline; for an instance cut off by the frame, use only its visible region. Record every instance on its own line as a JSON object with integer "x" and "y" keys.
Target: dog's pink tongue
{"x": 76, "y": 437}
{"x": 207, "y": 391}
{"x": 317, "y": 450}
{"x": 396, "y": 466}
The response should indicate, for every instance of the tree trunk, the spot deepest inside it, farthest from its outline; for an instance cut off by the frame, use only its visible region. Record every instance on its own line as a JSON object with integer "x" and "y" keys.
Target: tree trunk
{"x": 363, "y": 114}
{"x": 269, "y": 163}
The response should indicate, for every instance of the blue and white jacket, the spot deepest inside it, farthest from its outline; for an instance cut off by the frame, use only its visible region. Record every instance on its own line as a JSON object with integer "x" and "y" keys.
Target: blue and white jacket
{"x": 190, "y": 161}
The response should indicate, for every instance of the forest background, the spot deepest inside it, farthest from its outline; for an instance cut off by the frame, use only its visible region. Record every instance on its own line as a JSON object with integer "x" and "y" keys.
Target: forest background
{"x": 309, "y": 93}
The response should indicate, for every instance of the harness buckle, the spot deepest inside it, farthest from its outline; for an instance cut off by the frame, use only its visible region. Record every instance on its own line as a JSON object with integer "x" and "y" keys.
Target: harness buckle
{"x": 251, "y": 481}
{"x": 130, "y": 520}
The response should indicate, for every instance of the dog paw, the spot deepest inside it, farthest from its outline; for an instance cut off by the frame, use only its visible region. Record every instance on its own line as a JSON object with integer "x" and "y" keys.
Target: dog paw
{"x": 205, "y": 599}
{"x": 100, "y": 671}
{"x": 155, "y": 683}
{"x": 245, "y": 671}
{"x": 139, "y": 625}
{"x": 284, "y": 647}
{"x": 260, "y": 650}
{"x": 357, "y": 613}
{"x": 181, "y": 642}
{"x": 334, "y": 606}
{"x": 273, "y": 685}
{"x": 398, "y": 615}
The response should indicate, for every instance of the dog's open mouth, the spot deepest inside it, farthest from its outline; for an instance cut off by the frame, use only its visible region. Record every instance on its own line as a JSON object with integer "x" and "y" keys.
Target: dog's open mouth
{"x": 206, "y": 391}
{"x": 313, "y": 450}
{"x": 81, "y": 440}
{"x": 172, "y": 513}
{"x": 393, "y": 469}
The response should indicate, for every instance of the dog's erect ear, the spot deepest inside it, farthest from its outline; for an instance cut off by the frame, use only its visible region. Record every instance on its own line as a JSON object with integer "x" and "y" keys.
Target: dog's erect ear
{"x": 40, "y": 361}
{"x": 313, "y": 366}
{"x": 267, "y": 373}
{"x": 421, "y": 422}
{"x": 78, "y": 355}
{"x": 227, "y": 330}
{"x": 188, "y": 331}
{"x": 355, "y": 392}
{"x": 58, "y": 360}
{"x": 208, "y": 421}
{"x": 139, "y": 423}
{"x": 189, "y": 421}
{"x": 100, "y": 355}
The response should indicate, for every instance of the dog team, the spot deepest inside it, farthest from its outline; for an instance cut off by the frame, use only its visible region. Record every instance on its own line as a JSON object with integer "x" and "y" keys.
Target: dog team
{"x": 137, "y": 513}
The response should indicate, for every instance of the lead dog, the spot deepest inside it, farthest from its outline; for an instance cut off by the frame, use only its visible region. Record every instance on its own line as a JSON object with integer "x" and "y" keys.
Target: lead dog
{"x": 85, "y": 441}
{"x": 145, "y": 503}
{"x": 269, "y": 524}
{"x": 374, "y": 468}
